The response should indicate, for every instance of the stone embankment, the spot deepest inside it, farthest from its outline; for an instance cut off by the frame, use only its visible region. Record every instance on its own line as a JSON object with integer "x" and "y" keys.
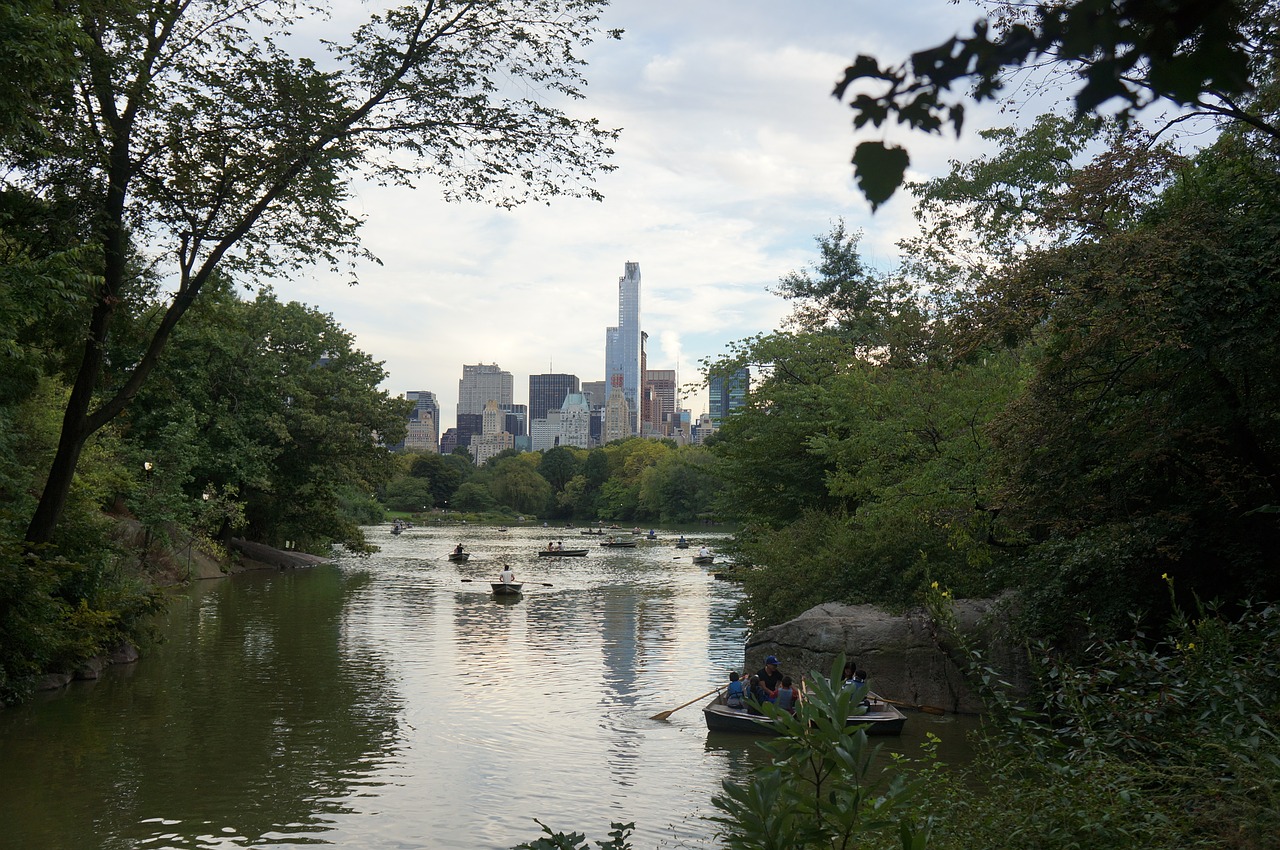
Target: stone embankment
{"x": 908, "y": 657}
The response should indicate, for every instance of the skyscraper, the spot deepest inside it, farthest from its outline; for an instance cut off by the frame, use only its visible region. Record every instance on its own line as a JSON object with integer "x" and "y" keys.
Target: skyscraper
{"x": 424, "y": 421}
{"x": 725, "y": 395}
{"x": 659, "y": 400}
{"x": 480, "y": 384}
{"x": 547, "y": 392}
{"x": 622, "y": 345}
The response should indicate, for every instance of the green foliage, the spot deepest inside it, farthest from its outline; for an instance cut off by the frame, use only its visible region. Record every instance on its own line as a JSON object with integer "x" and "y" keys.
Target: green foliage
{"x": 407, "y": 493}
{"x": 577, "y": 841}
{"x": 268, "y": 399}
{"x": 862, "y": 466}
{"x": 1207, "y": 56}
{"x": 517, "y": 485}
{"x": 1159, "y": 743}
{"x": 820, "y": 789}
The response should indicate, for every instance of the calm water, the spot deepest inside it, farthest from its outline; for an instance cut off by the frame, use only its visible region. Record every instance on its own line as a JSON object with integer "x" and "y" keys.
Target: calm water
{"x": 388, "y": 702}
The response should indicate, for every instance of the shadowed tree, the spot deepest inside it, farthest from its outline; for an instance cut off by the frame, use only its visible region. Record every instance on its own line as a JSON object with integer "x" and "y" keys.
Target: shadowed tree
{"x": 193, "y": 140}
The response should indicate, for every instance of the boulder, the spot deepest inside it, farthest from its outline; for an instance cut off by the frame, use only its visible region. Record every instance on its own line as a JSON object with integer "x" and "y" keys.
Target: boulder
{"x": 907, "y": 656}
{"x": 125, "y": 653}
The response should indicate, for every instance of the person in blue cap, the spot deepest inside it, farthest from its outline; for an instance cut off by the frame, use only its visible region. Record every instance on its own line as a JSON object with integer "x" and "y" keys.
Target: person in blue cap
{"x": 770, "y": 675}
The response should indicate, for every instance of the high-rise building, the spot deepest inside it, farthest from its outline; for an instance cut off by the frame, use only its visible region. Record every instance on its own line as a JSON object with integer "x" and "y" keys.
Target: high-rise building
{"x": 494, "y": 438}
{"x": 424, "y": 422}
{"x": 595, "y": 393}
{"x": 727, "y": 394}
{"x": 622, "y": 346}
{"x": 548, "y": 391}
{"x": 470, "y": 425}
{"x": 575, "y": 422}
{"x": 617, "y": 415}
{"x": 517, "y": 419}
{"x": 481, "y": 383}
{"x": 659, "y": 401}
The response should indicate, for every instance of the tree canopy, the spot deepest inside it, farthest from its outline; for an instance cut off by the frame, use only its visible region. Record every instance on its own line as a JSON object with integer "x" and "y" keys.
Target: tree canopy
{"x": 188, "y": 143}
{"x": 1213, "y": 58}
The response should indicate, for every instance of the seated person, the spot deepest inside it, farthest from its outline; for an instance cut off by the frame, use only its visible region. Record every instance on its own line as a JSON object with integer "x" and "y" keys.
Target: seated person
{"x": 759, "y": 693}
{"x": 788, "y": 696}
{"x": 769, "y": 674}
{"x": 735, "y": 696}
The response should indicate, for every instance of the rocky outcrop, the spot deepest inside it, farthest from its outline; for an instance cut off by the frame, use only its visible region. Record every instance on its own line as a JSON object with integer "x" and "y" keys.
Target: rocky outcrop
{"x": 259, "y": 555}
{"x": 907, "y": 657}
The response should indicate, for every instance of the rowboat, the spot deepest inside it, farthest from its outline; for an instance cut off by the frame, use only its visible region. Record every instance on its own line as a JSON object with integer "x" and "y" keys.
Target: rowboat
{"x": 704, "y": 560}
{"x": 597, "y": 533}
{"x": 619, "y": 544}
{"x": 880, "y": 719}
{"x": 561, "y": 553}
{"x": 459, "y": 557}
{"x": 506, "y": 588}
{"x": 683, "y": 544}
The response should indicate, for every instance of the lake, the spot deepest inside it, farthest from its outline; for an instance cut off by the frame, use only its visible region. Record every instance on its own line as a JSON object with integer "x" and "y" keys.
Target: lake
{"x": 392, "y": 701}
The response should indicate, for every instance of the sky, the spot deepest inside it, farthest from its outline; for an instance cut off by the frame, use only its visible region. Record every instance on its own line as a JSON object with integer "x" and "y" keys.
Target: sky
{"x": 733, "y": 158}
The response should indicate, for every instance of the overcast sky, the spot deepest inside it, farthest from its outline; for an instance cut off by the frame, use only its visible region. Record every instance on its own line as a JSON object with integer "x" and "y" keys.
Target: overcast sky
{"x": 733, "y": 158}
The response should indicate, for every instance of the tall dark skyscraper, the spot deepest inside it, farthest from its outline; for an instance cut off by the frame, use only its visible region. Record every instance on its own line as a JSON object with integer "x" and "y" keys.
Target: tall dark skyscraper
{"x": 547, "y": 392}
{"x": 725, "y": 395}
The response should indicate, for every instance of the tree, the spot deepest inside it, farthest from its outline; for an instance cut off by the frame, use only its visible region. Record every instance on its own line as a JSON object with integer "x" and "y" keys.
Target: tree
{"x": 272, "y": 402}
{"x": 518, "y": 486}
{"x": 200, "y": 145}
{"x": 1214, "y": 58}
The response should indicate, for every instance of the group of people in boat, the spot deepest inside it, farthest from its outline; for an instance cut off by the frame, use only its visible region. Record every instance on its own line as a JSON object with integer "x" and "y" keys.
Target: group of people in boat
{"x": 771, "y": 685}
{"x": 555, "y": 546}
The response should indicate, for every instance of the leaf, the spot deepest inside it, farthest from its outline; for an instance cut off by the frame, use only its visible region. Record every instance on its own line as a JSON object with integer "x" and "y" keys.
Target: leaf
{"x": 879, "y": 170}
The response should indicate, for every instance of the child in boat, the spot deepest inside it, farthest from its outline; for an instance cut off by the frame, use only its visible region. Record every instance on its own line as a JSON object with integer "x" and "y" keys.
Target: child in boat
{"x": 787, "y": 696}
{"x": 734, "y": 697}
{"x": 760, "y": 693}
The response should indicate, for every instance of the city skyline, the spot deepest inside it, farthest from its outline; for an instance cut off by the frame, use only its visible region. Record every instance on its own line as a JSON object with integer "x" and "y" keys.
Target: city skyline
{"x": 733, "y": 157}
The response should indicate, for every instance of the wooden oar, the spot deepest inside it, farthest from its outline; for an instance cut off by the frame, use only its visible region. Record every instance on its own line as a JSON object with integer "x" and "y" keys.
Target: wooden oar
{"x": 663, "y": 715}
{"x": 927, "y": 709}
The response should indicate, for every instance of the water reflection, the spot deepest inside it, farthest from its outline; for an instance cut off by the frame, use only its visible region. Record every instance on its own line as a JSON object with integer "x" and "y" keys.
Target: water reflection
{"x": 392, "y": 702}
{"x": 257, "y": 719}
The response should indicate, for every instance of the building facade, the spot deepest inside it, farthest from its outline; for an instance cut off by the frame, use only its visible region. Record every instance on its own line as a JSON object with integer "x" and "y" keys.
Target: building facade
{"x": 494, "y": 438}
{"x": 424, "y": 422}
{"x": 548, "y": 391}
{"x": 575, "y": 422}
{"x": 479, "y": 384}
{"x": 659, "y": 402}
{"x": 727, "y": 394}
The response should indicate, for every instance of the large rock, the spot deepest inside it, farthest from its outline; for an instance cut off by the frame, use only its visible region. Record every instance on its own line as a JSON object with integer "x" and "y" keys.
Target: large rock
{"x": 907, "y": 657}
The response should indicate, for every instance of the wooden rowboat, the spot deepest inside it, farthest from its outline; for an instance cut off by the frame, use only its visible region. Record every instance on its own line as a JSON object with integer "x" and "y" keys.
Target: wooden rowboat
{"x": 619, "y": 544}
{"x": 880, "y": 719}
{"x": 704, "y": 560}
{"x": 459, "y": 557}
{"x": 506, "y": 588}
{"x": 561, "y": 553}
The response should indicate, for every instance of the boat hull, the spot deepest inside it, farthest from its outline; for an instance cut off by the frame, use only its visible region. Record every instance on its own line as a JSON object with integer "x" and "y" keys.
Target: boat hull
{"x": 506, "y": 589}
{"x": 459, "y": 558}
{"x": 562, "y": 553}
{"x": 704, "y": 560}
{"x": 881, "y": 719}
{"x": 626, "y": 544}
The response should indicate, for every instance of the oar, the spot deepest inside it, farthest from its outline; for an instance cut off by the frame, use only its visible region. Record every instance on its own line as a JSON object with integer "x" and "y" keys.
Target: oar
{"x": 663, "y": 715}
{"x": 927, "y": 709}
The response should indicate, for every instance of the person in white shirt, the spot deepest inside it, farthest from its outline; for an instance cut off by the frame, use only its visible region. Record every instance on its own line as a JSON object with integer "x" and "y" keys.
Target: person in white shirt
{"x": 507, "y": 576}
